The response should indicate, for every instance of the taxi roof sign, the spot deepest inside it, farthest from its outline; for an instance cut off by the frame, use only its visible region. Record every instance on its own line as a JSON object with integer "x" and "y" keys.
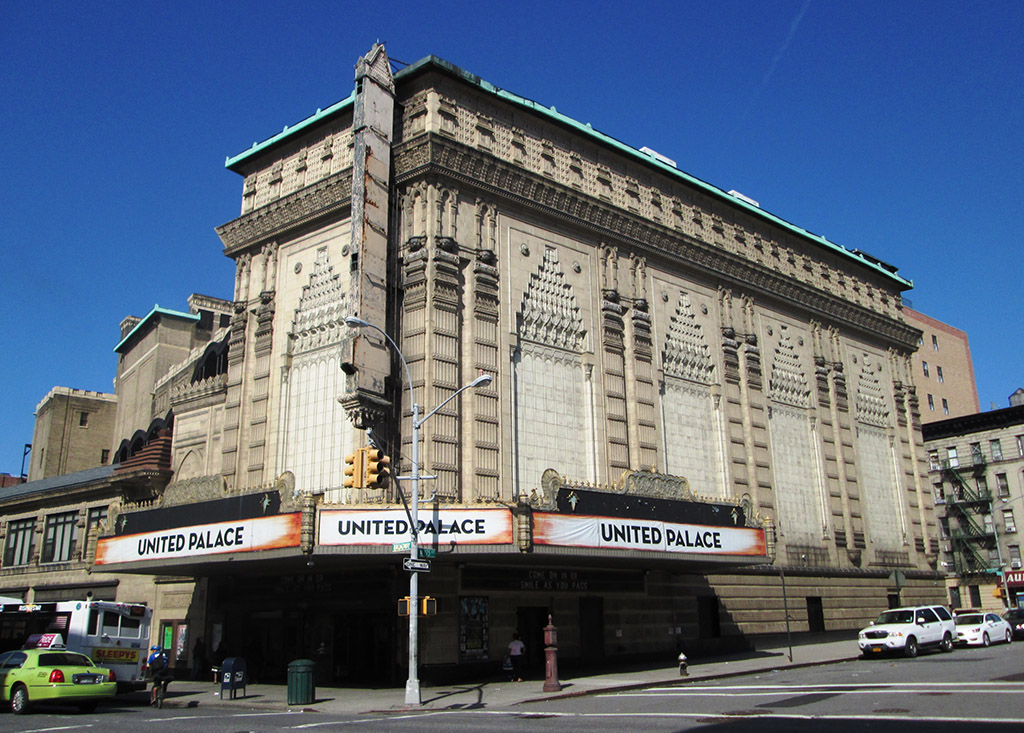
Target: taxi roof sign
{"x": 44, "y": 641}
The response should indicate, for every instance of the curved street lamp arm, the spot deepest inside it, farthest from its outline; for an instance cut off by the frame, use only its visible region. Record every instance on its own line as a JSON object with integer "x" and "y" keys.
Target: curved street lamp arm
{"x": 479, "y": 381}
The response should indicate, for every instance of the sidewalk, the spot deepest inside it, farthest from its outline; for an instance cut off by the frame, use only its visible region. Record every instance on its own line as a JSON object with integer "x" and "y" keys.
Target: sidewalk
{"x": 501, "y": 694}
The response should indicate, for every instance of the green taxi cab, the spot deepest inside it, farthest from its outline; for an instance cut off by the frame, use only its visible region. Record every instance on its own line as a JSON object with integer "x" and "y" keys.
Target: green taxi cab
{"x": 53, "y": 675}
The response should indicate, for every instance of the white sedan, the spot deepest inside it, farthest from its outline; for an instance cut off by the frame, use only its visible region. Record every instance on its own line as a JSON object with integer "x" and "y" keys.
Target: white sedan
{"x": 982, "y": 628}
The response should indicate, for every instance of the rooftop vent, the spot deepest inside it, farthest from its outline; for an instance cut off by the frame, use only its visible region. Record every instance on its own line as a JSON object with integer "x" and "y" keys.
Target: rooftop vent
{"x": 658, "y": 156}
{"x": 746, "y": 199}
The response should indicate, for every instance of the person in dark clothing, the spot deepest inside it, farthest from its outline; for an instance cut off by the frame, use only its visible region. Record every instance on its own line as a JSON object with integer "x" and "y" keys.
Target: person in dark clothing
{"x": 160, "y": 670}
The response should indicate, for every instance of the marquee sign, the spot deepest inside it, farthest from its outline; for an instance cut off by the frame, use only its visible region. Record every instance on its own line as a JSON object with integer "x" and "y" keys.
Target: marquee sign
{"x": 646, "y": 511}
{"x": 391, "y": 526}
{"x": 240, "y": 535}
{"x": 244, "y": 523}
{"x": 1015, "y": 578}
{"x": 612, "y": 533}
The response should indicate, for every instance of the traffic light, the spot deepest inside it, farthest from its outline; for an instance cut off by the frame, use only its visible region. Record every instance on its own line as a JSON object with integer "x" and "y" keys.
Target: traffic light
{"x": 378, "y": 475}
{"x": 354, "y": 463}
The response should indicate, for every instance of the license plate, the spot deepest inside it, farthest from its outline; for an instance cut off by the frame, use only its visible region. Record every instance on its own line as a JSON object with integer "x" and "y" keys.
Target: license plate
{"x": 87, "y": 679}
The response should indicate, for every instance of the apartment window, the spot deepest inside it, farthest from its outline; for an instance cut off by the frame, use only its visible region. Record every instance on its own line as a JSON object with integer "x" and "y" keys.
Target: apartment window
{"x": 997, "y": 449}
{"x": 976, "y": 455}
{"x": 954, "y": 597}
{"x": 990, "y": 526}
{"x": 1014, "y": 556}
{"x": 1008, "y": 523}
{"x": 935, "y": 343}
{"x": 933, "y": 460}
{"x": 21, "y": 535}
{"x": 944, "y": 527}
{"x": 1002, "y": 485}
{"x": 951, "y": 458}
{"x": 975, "y": 594}
{"x": 945, "y": 406}
{"x": 1020, "y": 445}
{"x": 937, "y": 492}
{"x": 931, "y": 403}
{"x": 982, "y": 484}
{"x": 104, "y": 456}
{"x": 83, "y": 419}
{"x": 924, "y": 366}
{"x": 60, "y": 536}
{"x": 938, "y": 373}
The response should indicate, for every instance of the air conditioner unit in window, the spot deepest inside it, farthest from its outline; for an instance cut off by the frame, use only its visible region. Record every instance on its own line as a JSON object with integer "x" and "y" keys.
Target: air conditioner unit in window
{"x": 1015, "y": 563}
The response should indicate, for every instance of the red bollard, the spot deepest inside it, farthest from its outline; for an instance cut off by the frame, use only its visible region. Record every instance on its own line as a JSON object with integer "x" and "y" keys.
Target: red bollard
{"x": 551, "y": 683}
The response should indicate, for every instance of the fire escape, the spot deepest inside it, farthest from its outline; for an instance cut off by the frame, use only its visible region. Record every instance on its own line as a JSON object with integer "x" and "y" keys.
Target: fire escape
{"x": 974, "y": 536}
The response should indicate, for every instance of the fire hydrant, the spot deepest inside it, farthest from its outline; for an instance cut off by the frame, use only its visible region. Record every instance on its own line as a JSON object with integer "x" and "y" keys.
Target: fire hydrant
{"x": 682, "y": 665}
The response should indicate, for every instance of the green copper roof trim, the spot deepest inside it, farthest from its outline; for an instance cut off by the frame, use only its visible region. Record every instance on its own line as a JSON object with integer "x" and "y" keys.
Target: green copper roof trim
{"x": 289, "y": 131}
{"x": 864, "y": 259}
{"x": 157, "y": 311}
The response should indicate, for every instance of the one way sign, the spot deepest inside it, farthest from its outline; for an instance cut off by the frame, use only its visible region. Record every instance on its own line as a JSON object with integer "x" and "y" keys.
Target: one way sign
{"x": 416, "y": 566}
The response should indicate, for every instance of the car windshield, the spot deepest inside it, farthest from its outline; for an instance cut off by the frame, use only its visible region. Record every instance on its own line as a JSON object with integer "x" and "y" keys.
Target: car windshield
{"x": 57, "y": 659}
{"x": 969, "y": 619}
{"x": 902, "y": 616}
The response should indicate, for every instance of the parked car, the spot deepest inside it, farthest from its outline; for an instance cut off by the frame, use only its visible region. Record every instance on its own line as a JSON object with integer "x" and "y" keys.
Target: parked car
{"x": 1015, "y": 617}
{"x": 28, "y": 676}
{"x": 906, "y": 630}
{"x": 982, "y": 628}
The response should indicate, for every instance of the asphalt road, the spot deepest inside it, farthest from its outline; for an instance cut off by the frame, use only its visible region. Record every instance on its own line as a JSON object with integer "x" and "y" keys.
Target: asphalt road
{"x": 970, "y": 689}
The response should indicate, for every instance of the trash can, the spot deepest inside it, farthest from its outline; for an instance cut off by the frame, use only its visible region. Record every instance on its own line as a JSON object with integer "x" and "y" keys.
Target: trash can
{"x": 232, "y": 677}
{"x": 301, "y": 686}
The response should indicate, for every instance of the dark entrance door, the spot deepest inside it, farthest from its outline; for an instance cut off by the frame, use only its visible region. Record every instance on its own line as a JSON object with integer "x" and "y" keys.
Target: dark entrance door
{"x": 815, "y": 614}
{"x": 530, "y": 621}
{"x": 364, "y": 650}
{"x": 592, "y": 629}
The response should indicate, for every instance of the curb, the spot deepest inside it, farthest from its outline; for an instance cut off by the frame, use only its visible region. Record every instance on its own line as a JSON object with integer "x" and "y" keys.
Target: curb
{"x": 241, "y": 702}
{"x": 683, "y": 681}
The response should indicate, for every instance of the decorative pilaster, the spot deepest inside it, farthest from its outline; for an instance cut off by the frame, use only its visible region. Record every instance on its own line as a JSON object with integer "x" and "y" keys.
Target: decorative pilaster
{"x": 485, "y": 435}
{"x": 613, "y": 342}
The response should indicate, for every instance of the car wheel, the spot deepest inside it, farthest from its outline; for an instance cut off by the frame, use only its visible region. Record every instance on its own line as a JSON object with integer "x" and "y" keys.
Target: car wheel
{"x": 19, "y": 700}
{"x": 910, "y": 650}
{"x": 985, "y": 641}
{"x": 947, "y": 643}
{"x": 1009, "y": 638}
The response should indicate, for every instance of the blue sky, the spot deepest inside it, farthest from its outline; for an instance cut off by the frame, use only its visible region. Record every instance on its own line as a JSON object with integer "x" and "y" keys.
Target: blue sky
{"x": 895, "y": 128}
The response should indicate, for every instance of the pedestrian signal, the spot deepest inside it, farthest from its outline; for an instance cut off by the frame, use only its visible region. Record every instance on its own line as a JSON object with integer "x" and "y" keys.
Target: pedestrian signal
{"x": 403, "y": 606}
{"x": 354, "y": 463}
{"x": 378, "y": 473}
{"x": 428, "y": 606}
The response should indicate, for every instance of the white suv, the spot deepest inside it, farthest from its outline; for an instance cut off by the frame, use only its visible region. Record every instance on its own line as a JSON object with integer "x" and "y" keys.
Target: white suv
{"x": 907, "y": 630}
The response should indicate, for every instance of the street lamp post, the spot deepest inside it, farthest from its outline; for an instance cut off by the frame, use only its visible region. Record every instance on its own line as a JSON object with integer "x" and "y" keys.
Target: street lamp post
{"x": 412, "y": 685}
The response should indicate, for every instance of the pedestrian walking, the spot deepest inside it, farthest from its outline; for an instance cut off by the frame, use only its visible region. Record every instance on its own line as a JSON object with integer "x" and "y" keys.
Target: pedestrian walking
{"x": 516, "y": 649}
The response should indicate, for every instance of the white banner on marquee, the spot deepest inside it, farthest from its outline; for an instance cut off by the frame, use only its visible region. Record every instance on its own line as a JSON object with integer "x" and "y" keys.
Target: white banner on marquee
{"x": 391, "y": 526}
{"x": 612, "y": 533}
{"x": 243, "y": 535}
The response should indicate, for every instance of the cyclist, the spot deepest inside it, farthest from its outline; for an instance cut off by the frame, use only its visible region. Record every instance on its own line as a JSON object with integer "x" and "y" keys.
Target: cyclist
{"x": 160, "y": 670}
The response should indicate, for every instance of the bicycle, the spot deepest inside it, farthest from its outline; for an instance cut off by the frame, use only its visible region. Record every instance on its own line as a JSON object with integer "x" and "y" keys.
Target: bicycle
{"x": 159, "y": 692}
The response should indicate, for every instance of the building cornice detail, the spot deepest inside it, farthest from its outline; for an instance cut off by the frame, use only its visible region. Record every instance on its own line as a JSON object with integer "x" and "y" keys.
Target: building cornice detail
{"x": 328, "y": 197}
{"x": 434, "y": 155}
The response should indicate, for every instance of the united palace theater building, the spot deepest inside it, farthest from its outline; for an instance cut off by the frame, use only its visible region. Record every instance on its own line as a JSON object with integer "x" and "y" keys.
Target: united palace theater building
{"x": 689, "y": 396}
